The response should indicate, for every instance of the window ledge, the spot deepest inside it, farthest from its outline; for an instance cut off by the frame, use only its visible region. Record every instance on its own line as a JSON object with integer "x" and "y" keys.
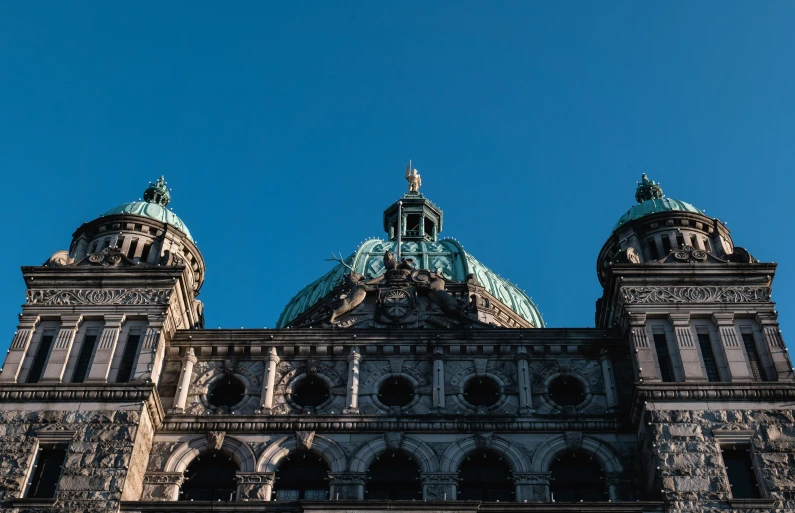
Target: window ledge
{"x": 30, "y": 502}
{"x": 762, "y": 504}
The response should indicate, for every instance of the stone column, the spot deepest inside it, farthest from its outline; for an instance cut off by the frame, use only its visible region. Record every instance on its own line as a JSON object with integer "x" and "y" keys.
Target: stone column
{"x": 268, "y": 381}
{"x": 347, "y": 486}
{"x": 692, "y": 370}
{"x": 162, "y": 486}
{"x": 609, "y": 378}
{"x": 775, "y": 345}
{"x": 19, "y": 346}
{"x": 255, "y": 486}
{"x": 352, "y": 395}
{"x": 61, "y": 348}
{"x": 438, "y": 379}
{"x": 617, "y": 484}
{"x": 523, "y": 373}
{"x": 732, "y": 347}
{"x": 403, "y": 223}
{"x": 532, "y": 486}
{"x": 183, "y": 385}
{"x": 644, "y": 361}
{"x": 153, "y": 347}
{"x": 106, "y": 348}
{"x": 439, "y": 486}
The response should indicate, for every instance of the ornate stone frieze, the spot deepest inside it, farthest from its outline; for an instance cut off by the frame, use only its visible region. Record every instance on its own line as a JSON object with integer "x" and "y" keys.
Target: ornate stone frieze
{"x": 175, "y": 478}
{"x": 645, "y": 295}
{"x": 255, "y": 478}
{"x": 99, "y": 297}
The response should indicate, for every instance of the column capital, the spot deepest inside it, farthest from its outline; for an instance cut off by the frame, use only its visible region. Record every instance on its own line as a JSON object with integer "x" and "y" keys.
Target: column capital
{"x": 355, "y": 355}
{"x": 114, "y": 320}
{"x": 272, "y": 356}
{"x": 71, "y": 321}
{"x": 28, "y": 321}
{"x": 190, "y": 356}
{"x": 679, "y": 319}
{"x": 723, "y": 318}
{"x": 766, "y": 319}
{"x": 255, "y": 478}
{"x": 637, "y": 319}
{"x": 439, "y": 478}
{"x": 356, "y": 478}
{"x": 532, "y": 478}
{"x": 156, "y": 320}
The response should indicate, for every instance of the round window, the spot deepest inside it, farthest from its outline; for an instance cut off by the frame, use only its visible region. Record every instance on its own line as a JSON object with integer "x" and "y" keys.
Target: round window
{"x": 310, "y": 392}
{"x": 567, "y": 391}
{"x": 396, "y": 391}
{"x": 482, "y": 391}
{"x": 227, "y": 391}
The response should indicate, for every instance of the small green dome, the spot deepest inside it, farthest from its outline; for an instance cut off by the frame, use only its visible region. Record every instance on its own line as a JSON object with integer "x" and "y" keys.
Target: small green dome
{"x": 445, "y": 257}
{"x": 650, "y": 199}
{"x": 156, "y": 198}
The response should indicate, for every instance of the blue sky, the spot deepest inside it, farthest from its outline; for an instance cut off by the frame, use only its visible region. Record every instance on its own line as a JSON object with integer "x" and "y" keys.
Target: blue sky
{"x": 284, "y": 131}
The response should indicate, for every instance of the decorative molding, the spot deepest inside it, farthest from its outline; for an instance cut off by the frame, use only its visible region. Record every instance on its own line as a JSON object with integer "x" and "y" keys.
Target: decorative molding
{"x": 99, "y": 297}
{"x": 215, "y": 440}
{"x": 255, "y": 478}
{"x": 164, "y": 478}
{"x": 733, "y": 435}
{"x": 645, "y": 295}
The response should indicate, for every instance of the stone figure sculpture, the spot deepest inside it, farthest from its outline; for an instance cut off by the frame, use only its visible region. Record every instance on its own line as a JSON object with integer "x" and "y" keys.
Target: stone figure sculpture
{"x": 413, "y": 177}
{"x": 446, "y": 302}
{"x": 357, "y": 291}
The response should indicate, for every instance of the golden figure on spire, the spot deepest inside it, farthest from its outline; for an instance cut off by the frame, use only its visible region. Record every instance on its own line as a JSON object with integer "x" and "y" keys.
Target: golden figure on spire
{"x": 413, "y": 178}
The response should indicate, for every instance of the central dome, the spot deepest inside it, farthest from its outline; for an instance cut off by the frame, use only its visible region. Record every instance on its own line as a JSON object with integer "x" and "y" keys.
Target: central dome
{"x": 445, "y": 257}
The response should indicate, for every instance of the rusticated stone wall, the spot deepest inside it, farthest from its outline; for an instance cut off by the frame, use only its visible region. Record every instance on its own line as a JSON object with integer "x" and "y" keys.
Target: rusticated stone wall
{"x": 102, "y": 463}
{"x": 690, "y": 473}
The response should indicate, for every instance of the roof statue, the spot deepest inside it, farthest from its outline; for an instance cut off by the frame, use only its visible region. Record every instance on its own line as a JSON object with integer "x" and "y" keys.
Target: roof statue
{"x": 413, "y": 178}
{"x": 647, "y": 189}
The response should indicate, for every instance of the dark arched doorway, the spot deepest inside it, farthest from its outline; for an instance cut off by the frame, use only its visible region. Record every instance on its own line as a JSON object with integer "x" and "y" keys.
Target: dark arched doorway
{"x": 485, "y": 476}
{"x": 302, "y": 475}
{"x": 393, "y": 476}
{"x": 577, "y": 476}
{"x": 210, "y": 477}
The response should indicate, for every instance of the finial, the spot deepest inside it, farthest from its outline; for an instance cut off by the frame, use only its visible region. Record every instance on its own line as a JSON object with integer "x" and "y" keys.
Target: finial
{"x": 647, "y": 189}
{"x": 158, "y": 192}
{"x": 413, "y": 178}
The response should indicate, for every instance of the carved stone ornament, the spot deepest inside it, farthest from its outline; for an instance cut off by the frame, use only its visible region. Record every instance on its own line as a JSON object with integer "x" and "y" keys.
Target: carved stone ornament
{"x": 99, "y": 297}
{"x": 573, "y": 440}
{"x": 174, "y": 478}
{"x": 483, "y": 440}
{"x": 393, "y": 440}
{"x": 215, "y": 440}
{"x": 689, "y": 254}
{"x": 108, "y": 257}
{"x": 305, "y": 439}
{"x": 643, "y": 295}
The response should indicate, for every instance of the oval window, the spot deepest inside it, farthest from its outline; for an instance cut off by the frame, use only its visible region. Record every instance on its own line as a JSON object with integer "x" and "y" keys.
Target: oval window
{"x": 227, "y": 391}
{"x": 310, "y": 392}
{"x": 567, "y": 391}
{"x": 396, "y": 391}
{"x": 482, "y": 391}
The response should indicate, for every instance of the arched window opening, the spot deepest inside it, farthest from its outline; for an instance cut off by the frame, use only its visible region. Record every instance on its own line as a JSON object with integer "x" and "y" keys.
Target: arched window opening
{"x": 567, "y": 391}
{"x": 485, "y": 476}
{"x": 577, "y": 476}
{"x": 226, "y": 392}
{"x": 482, "y": 391}
{"x": 396, "y": 391}
{"x": 393, "y": 476}
{"x": 302, "y": 475}
{"x": 210, "y": 477}
{"x": 310, "y": 392}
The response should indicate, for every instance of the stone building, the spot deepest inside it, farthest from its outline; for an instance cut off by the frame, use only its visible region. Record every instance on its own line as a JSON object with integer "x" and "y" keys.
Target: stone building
{"x": 410, "y": 377}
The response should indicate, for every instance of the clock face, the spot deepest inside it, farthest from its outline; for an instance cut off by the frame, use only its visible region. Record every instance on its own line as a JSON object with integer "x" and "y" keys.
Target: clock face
{"x": 397, "y": 304}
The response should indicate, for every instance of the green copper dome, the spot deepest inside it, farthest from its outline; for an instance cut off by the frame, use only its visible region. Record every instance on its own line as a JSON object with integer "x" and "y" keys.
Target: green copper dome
{"x": 651, "y": 201}
{"x": 156, "y": 198}
{"x": 445, "y": 257}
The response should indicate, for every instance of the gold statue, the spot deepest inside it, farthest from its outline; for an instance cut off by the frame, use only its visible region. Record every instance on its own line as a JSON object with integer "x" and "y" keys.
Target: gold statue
{"x": 413, "y": 178}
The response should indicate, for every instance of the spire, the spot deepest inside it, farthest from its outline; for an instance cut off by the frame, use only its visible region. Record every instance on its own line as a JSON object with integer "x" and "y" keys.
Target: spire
{"x": 158, "y": 193}
{"x": 647, "y": 189}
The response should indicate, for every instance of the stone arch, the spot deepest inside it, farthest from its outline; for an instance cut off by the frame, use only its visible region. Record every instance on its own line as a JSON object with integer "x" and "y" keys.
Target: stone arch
{"x": 546, "y": 453}
{"x": 456, "y": 452}
{"x": 331, "y": 453}
{"x": 188, "y": 450}
{"x": 416, "y": 448}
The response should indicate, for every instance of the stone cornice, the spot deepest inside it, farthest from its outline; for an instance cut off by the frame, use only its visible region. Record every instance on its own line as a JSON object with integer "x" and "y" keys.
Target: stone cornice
{"x": 760, "y": 391}
{"x": 373, "y": 424}
{"x": 68, "y": 392}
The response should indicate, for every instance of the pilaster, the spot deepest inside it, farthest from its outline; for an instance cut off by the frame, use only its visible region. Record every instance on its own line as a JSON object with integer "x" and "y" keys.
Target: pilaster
{"x": 439, "y": 401}
{"x": 523, "y": 373}
{"x": 106, "y": 348}
{"x": 61, "y": 348}
{"x": 609, "y": 378}
{"x": 775, "y": 345}
{"x": 439, "y": 486}
{"x": 352, "y": 395}
{"x": 692, "y": 370}
{"x": 183, "y": 385}
{"x": 255, "y": 486}
{"x": 19, "y": 346}
{"x": 644, "y": 362}
{"x": 532, "y": 486}
{"x": 347, "y": 486}
{"x": 268, "y": 383}
{"x": 150, "y": 361}
{"x": 736, "y": 360}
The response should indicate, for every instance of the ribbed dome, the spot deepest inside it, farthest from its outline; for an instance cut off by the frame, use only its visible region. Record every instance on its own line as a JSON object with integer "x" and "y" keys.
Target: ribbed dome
{"x": 152, "y": 211}
{"x": 156, "y": 199}
{"x": 653, "y": 206}
{"x": 445, "y": 257}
